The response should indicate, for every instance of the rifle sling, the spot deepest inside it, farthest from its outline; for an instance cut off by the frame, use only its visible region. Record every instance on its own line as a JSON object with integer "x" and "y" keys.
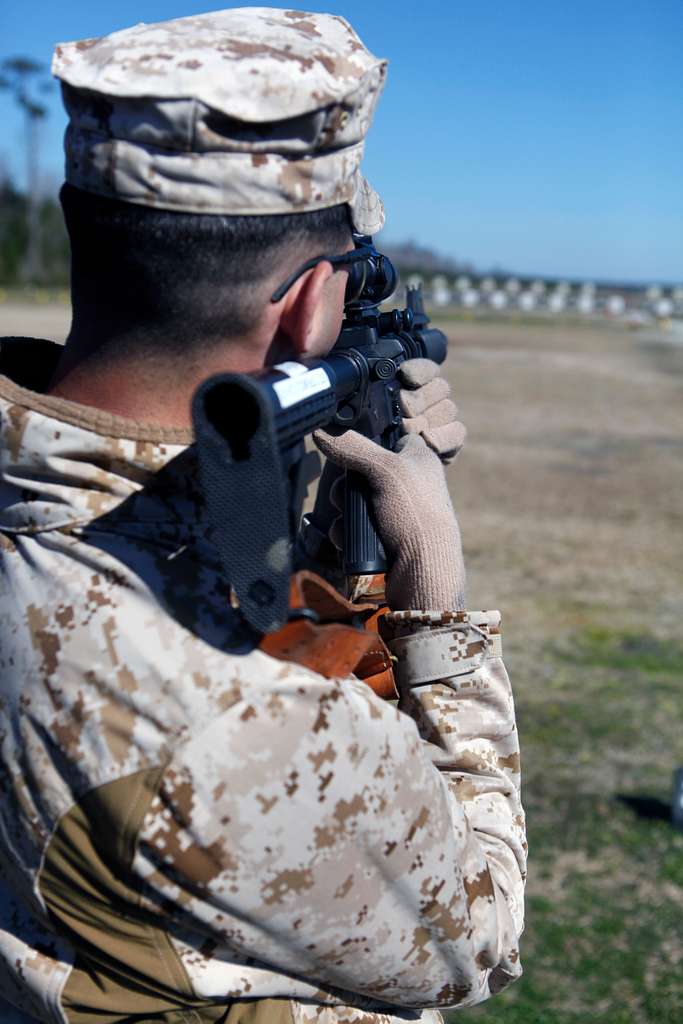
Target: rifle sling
{"x": 345, "y": 641}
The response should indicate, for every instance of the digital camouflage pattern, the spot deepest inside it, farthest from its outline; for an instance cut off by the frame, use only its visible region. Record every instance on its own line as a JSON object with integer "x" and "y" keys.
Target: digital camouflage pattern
{"x": 192, "y": 829}
{"x": 241, "y": 111}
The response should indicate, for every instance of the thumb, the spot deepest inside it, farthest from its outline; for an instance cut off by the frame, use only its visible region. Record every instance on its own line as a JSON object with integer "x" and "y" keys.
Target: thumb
{"x": 352, "y": 450}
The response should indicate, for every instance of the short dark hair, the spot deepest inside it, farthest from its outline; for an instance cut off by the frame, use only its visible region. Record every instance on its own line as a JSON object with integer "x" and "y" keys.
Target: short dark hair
{"x": 178, "y": 278}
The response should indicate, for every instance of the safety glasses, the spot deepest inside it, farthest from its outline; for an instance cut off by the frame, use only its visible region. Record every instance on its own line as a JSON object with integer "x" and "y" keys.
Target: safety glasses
{"x": 364, "y": 263}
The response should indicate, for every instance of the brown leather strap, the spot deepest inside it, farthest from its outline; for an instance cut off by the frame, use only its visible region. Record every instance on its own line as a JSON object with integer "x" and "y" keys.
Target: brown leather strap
{"x": 344, "y": 641}
{"x": 376, "y": 667}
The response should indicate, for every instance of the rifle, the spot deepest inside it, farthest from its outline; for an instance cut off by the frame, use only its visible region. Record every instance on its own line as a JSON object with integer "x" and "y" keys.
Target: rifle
{"x": 250, "y": 433}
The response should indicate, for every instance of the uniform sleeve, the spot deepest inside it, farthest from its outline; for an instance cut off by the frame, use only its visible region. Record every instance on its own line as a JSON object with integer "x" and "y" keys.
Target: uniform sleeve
{"x": 366, "y": 848}
{"x": 453, "y": 683}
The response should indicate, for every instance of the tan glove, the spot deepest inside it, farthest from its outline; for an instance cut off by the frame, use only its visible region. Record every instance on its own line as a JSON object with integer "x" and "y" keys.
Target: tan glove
{"x": 427, "y": 408}
{"x": 415, "y": 518}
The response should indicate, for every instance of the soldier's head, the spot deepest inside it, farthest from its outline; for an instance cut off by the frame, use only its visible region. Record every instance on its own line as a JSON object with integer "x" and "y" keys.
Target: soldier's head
{"x": 206, "y": 158}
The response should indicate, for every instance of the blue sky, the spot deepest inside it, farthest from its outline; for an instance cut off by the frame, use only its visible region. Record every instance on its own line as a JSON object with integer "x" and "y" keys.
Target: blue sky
{"x": 536, "y": 137}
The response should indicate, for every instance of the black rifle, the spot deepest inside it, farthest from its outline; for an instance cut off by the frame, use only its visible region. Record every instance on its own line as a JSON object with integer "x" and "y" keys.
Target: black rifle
{"x": 251, "y": 428}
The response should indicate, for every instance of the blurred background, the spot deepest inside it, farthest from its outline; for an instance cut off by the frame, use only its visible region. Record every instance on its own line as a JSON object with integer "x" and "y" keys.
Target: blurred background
{"x": 531, "y": 160}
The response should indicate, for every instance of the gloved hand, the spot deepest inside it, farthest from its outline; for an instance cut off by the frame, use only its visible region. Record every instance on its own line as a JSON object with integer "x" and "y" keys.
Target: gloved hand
{"x": 427, "y": 408}
{"x": 416, "y": 520}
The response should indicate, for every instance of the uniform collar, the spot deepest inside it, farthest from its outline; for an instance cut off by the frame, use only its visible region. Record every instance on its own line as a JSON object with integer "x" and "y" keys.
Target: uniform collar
{"x": 63, "y": 464}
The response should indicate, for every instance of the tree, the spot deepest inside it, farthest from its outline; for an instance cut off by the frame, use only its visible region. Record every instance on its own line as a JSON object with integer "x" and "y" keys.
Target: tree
{"x": 12, "y": 232}
{"x": 24, "y": 77}
{"x": 54, "y": 251}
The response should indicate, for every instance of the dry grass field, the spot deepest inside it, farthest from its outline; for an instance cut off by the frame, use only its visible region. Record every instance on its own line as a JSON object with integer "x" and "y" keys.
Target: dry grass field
{"x": 569, "y": 494}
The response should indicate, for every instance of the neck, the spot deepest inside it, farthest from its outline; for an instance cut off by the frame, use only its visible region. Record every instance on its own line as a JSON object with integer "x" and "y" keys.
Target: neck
{"x": 148, "y": 388}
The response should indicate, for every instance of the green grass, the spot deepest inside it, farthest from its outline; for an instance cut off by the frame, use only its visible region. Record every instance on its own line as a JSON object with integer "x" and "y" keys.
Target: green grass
{"x": 604, "y": 933}
{"x": 630, "y": 651}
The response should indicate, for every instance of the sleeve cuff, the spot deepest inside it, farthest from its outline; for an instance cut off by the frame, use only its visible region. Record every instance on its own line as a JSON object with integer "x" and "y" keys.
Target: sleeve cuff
{"x": 439, "y": 646}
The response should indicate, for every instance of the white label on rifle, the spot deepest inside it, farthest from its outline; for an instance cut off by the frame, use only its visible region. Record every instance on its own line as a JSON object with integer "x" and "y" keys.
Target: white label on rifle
{"x": 291, "y": 369}
{"x": 295, "y": 389}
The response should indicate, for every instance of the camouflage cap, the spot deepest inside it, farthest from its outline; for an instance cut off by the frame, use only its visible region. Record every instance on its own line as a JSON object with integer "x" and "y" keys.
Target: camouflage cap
{"x": 242, "y": 111}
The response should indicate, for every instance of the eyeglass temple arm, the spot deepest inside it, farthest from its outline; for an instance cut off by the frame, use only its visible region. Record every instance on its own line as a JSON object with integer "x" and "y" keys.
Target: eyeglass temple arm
{"x": 337, "y": 261}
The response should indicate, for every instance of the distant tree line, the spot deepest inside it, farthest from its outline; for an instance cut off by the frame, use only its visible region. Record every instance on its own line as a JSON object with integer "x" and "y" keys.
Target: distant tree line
{"x": 33, "y": 243}
{"x": 413, "y": 258}
{"x": 52, "y": 265}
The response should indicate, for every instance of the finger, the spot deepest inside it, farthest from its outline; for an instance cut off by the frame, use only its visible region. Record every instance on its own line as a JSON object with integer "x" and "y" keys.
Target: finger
{"x": 411, "y": 445}
{"x": 446, "y": 441}
{"x": 414, "y": 373}
{"x": 440, "y": 414}
{"x": 354, "y": 451}
{"x": 414, "y": 424}
{"x": 414, "y": 403}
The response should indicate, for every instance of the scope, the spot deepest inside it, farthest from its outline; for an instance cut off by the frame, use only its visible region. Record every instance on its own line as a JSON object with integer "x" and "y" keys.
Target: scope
{"x": 372, "y": 279}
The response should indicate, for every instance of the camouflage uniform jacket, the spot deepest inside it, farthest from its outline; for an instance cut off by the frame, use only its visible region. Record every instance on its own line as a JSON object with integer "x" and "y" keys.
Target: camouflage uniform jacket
{"x": 193, "y": 831}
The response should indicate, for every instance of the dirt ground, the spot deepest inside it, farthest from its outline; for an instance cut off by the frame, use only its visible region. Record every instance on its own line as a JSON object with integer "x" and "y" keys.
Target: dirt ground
{"x": 569, "y": 494}
{"x": 570, "y": 484}
{"x": 35, "y": 321}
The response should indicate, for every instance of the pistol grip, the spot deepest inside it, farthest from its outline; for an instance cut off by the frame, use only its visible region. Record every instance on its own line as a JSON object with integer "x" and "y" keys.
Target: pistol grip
{"x": 363, "y": 552}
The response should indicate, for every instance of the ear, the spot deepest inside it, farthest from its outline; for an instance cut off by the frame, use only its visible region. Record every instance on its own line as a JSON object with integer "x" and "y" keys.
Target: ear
{"x": 303, "y": 308}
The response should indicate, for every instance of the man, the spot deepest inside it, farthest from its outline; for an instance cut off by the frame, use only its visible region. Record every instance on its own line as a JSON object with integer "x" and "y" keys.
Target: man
{"x": 194, "y": 829}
